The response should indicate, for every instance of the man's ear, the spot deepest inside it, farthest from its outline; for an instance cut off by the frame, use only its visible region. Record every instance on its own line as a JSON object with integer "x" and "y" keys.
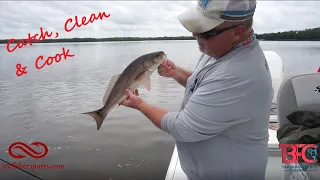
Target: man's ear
{"x": 239, "y": 33}
{"x": 240, "y": 30}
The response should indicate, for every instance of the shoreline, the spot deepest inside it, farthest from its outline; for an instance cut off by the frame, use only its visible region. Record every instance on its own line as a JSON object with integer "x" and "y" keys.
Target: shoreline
{"x": 297, "y": 35}
{"x": 83, "y": 40}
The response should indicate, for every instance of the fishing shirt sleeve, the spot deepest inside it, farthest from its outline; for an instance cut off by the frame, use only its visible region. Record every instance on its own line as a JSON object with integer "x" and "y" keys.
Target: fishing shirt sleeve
{"x": 218, "y": 103}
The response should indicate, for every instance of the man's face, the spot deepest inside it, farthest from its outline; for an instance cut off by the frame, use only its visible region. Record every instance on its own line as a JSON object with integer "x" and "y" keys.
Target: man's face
{"x": 220, "y": 44}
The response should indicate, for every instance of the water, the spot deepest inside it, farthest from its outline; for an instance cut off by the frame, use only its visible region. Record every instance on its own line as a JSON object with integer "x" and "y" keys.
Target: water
{"x": 44, "y": 106}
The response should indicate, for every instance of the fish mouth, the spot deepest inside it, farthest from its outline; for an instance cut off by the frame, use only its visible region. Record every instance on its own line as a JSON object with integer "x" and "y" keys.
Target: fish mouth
{"x": 164, "y": 58}
{"x": 161, "y": 58}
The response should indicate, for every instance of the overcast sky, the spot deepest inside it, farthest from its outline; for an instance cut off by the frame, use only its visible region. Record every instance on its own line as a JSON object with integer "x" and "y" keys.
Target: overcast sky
{"x": 141, "y": 18}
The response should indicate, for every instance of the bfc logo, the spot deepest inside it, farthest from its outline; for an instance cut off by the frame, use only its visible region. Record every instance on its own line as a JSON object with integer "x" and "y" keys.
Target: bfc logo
{"x": 28, "y": 150}
{"x": 306, "y": 149}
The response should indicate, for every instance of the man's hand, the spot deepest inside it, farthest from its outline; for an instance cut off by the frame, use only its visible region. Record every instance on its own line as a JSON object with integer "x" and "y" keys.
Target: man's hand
{"x": 167, "y": 69}
{"x": 133, "y": 99}
{"x": 152, "y": 112}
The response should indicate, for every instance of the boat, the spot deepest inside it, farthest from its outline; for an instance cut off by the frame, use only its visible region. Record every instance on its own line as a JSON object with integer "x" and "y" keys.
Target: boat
{"x": 275, "y": 169}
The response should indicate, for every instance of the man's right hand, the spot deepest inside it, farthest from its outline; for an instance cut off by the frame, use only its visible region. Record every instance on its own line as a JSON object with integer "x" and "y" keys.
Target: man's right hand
{"x": 167, "y": 69}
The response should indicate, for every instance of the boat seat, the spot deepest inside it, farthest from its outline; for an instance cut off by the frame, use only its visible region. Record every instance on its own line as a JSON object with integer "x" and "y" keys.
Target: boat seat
{"x": 298, "y": 93}
{"x": 298, "y": 96}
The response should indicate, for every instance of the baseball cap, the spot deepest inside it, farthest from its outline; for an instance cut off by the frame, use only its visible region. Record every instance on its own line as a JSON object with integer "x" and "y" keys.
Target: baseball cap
{"x": 209, "y": 14}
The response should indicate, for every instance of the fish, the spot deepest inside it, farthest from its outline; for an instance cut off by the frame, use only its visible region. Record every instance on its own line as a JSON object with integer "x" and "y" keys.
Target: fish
{"x": 136, "y": 74}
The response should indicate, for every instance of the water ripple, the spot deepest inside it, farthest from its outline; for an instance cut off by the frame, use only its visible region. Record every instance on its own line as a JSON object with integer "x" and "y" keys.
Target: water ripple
{"x": 45, "y": 105}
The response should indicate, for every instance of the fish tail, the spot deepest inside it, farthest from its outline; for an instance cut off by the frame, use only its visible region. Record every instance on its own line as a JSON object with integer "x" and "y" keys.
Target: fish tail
{"x": 98, "y": 117}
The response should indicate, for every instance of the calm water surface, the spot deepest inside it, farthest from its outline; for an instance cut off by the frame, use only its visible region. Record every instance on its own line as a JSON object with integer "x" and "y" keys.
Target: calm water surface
{"x": 45, "y": 106}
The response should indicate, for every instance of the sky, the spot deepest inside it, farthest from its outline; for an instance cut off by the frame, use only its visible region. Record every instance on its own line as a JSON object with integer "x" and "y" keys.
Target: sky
{"x": 140, "y": 18}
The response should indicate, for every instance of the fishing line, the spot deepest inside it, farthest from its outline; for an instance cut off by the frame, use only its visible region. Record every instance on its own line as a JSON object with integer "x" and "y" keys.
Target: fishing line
{"x": 21, "y": 169}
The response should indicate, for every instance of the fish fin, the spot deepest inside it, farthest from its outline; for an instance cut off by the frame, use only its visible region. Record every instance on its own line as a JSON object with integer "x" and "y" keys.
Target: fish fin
{"x": 141, "y": 76}
{"x": 98, "y": 117}
{"x": 147, "y": 84}
{"x": 113, "y": 80}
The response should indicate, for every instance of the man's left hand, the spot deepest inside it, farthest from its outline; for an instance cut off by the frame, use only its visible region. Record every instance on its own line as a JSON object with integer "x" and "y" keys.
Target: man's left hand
{"x": 133, "y": 100}
{"x": 154, "y": 113}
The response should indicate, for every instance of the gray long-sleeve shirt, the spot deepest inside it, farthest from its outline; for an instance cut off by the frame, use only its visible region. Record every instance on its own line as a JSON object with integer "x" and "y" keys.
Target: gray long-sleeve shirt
{"x": 221, "y": 131}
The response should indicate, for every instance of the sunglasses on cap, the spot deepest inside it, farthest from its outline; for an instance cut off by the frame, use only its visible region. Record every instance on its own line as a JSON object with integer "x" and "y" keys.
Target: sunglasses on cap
{"x": 214, "y": 32}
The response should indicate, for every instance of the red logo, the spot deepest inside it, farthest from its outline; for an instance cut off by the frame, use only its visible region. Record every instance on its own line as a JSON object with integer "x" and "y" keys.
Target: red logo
{"x": 319, "y": 69}
{"x": 248, "y": 41}
{"x": 310, "y": 149}
{"x": 27, "y": 150}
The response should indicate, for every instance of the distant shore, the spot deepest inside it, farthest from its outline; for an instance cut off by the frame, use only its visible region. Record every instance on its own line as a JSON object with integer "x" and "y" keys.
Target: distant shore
{"x": 79, "y": 40}
{"x": 302, "y": 35}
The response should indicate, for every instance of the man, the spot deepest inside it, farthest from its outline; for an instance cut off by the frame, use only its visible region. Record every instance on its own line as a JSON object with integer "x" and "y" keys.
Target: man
{"x": 221, "y": 131}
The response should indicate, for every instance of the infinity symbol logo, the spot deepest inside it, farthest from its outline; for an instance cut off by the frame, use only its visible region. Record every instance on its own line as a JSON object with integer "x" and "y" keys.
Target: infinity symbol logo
{"x": 28, "y": 150}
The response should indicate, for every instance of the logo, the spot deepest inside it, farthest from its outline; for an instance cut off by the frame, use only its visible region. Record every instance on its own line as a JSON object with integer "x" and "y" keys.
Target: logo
{"x": 28, "y": 150}
{"x": 193, "y": 85}
{"x": 248, "y": 40}
{"x": 266, "y": 65}
{"x": 308, "y": 153}
{"x": 32, "y": 152}
{"x": 317, "y": 89}
{"x": 204, "y": 3}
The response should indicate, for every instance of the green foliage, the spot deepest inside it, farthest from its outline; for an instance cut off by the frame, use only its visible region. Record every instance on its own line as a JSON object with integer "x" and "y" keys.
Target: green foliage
{"x": 304, "y": 35}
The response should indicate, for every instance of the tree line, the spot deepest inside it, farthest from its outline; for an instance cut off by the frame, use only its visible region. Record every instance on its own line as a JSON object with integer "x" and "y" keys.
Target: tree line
{"x": 301, "y": 35}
